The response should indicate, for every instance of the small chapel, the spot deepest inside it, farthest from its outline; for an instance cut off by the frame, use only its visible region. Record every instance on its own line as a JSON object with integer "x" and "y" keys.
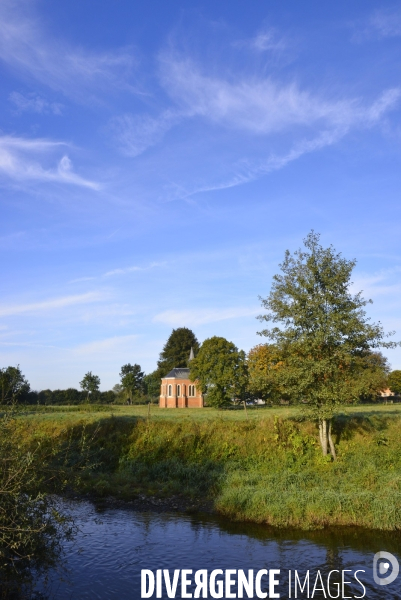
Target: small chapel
{"x": 178, "y": 391}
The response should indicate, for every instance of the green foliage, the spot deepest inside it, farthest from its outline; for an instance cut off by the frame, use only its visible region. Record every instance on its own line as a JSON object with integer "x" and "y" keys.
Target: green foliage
{"x": 394, "y": 382}
{"x": 70, "y": 396}
{"x": 220, "y": 370}
{"x": 325, "y": 338}
{"x": 263, "y": 366}
{"x": 176, "y": 350}
{"x": 13, "y": 385}
{"x": 152, "y": 385}
{"x": 132, "y": 380}
{"x": 90, "y": 383}
{"x": 373, "y": 375}
{"x": 31, "y": 528}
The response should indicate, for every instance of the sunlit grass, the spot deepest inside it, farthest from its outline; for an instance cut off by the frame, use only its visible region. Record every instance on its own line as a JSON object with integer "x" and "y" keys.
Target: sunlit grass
{"x": 263, "y": 464}
{"x": 92, "y": 413}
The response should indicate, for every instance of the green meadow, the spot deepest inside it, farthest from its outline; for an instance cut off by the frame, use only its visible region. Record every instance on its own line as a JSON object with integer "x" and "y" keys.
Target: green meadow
{"x": 262, "y": 465}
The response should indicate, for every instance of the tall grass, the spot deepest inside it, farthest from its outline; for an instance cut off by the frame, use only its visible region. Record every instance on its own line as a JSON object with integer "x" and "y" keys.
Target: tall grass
{"x": 267, "y": 469}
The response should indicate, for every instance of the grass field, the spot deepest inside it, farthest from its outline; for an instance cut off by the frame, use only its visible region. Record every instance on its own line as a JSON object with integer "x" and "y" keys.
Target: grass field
{"x": 92, "y": 412}
{"x": 264, "y": 465}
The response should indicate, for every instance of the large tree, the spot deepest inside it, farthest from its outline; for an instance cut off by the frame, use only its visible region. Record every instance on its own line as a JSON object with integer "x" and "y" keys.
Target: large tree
{"x": 132, "y": 380}
{"x": 324, "y": 336}
{"x": 220, "y": 370}
{"x": 394, "y": 382}
{"x": 13, "y": 385}
{"x": 90, "y": 384}
{"x": 264, "y": 364}
{"x": 152, "y": 385}
{"x": 176, "y": 350}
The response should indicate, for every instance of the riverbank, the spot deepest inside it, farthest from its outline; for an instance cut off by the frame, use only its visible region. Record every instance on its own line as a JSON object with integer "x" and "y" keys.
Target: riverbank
{"x": 263, "y": 467}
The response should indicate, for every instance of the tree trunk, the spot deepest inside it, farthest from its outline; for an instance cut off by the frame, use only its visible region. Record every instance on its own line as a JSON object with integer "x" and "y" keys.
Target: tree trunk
{"x": 326, "y": 441}
{"x": 323, "y": 435}
{"x": 331, "y": 443}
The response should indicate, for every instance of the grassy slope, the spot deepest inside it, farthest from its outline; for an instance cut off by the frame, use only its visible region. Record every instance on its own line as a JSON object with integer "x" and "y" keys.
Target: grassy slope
{"x": 266, "y": 468}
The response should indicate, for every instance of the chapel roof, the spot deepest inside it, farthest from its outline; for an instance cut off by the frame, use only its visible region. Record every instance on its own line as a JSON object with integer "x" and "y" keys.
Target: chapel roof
{"x": 177, "y": 373}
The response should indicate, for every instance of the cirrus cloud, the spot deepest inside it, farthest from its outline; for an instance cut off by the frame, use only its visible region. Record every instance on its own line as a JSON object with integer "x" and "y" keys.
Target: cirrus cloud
{"x": 178, "y": 318}
{"x": 19, "y": 161}
{"x": 53, "y": 303}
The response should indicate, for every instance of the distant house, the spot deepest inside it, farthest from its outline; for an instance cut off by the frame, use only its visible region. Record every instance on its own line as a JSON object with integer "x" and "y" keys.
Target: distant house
{"x": 388, "y": 396}
{"x": 386, "y": 393}
{"x": 178, "y": 391}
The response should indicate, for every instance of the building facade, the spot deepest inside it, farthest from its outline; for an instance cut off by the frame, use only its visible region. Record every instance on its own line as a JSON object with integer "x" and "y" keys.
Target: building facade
{"x": 178, "y": 391}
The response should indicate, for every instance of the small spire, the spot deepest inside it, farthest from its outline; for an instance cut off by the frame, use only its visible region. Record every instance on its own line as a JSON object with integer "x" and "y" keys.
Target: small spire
{"x": 191, "y": 355}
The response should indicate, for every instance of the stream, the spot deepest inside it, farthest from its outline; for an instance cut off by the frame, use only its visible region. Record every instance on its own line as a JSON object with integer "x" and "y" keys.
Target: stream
{"x": 113, "y": 546}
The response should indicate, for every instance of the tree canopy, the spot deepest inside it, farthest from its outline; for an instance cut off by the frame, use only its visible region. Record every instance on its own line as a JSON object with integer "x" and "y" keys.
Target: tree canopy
{"x": 394, "y": 382}
{"x": 13, "y": 384}
{"x": 176, "y": 350}
{"x": 152, "y": 385}
{"x": 132, "y": 380}
{"x": 220, "y": 370}
{"x": 324, "y": 336}
{"x": 90, "y": 383}
{"x": 263, "y": 365}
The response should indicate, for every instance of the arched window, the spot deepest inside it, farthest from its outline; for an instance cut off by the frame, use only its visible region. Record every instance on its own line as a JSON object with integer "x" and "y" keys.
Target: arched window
{"x": 170, "y": 390}
{"x": 178, "y": 390}
{"x": 191, "y": 391}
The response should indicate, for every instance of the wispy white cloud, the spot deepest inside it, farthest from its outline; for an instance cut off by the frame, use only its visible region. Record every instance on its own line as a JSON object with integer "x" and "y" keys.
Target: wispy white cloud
{"x": 26, "y": 47}
{"x": 114, "y": 344}
{"x": 26, "y": 345}
{"x": 256, "y": 105}
{"x": 34, "y": 103}
{"x": 260, "y": 105}
{"x": 132, "y": 269}
{"x": 387, "y": 101}
{"x": 101, "y": 312}
{"x": 121, "y": 271}
{"x": 19, "y": 161}
{"x": 382, "y": 23}
{"x": 135, "y": 133}
{"x": 246, "y": 171}
{"x": 179, "y": 318}
{"x": 54, "y": 303}
{"x": 386, "y": 282}
{"x": 266, "y": 40}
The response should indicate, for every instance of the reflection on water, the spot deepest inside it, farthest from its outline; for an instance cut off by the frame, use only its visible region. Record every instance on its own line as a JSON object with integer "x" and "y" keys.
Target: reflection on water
{"x": 106, "y": 558}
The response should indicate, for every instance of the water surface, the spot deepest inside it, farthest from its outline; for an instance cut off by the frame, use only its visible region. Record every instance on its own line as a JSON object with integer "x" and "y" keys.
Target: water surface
{"x": 113, "y": 545}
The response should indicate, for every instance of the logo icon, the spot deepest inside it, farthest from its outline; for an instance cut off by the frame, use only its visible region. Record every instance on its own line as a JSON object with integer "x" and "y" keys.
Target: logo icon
{"x": 381, "y": 568}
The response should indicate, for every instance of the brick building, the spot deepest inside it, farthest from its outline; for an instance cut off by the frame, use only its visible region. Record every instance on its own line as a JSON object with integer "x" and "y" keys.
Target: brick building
{"x": 178, "y": 391}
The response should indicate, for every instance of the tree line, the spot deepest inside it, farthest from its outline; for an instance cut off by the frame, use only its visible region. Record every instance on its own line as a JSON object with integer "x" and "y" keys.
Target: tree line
{"x": 134, "y": 387}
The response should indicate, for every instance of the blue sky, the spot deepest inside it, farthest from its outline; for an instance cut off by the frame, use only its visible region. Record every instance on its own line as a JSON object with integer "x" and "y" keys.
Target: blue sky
{"x": 158, "y": 158}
